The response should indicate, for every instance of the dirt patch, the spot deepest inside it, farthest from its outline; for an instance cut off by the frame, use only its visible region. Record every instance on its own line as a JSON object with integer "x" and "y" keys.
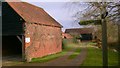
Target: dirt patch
{"x": 11, "y": 60}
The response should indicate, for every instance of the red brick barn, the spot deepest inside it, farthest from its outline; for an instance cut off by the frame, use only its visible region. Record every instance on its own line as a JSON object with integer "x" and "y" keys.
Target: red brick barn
{"x": 84, "y": 33}
{"x": 30, "y": 26}
{"x": 66, "y": 35}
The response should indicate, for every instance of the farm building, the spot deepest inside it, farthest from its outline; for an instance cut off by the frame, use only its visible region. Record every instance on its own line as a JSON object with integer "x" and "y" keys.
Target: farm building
{"x": 28, "y": 30}
{"x": 84, "y": 33}
{"x": 66, "y": 35}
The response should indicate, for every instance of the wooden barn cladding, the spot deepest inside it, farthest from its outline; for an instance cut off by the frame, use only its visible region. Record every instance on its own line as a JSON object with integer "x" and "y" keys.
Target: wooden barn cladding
{"x": 44, "y": 32}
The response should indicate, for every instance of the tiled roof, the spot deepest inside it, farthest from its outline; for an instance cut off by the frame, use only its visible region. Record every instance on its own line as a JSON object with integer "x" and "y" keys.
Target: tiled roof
{"x": 31, "y": 13}
{"x": 79, "y": 30}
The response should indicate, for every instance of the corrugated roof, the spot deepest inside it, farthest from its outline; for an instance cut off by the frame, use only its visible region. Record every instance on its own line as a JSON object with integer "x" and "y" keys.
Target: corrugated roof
{"x": 31, "y": 13}
{"x": 80, "y": 30}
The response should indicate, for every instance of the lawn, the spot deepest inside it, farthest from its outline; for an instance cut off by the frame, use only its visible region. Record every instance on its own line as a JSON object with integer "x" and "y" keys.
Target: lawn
{"x": 94, "y": 57}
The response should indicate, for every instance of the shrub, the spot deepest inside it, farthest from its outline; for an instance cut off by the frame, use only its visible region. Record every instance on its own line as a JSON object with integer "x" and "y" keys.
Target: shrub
{"x": 64, "y": 43}
{"x": 74, "y": 40}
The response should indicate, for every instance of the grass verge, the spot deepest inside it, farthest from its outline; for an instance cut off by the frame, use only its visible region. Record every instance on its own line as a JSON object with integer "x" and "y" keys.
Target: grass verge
{"x": 49, "y": 57}
{"x": 94, "y": 58}
{"x": 75, "y": 54}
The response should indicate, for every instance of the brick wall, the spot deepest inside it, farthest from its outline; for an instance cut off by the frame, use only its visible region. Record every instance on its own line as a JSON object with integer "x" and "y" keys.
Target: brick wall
{"x": 45, "y": 40}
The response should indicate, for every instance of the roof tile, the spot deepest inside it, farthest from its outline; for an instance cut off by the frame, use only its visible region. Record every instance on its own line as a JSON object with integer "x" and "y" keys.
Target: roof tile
{"x": 31, "y": 13}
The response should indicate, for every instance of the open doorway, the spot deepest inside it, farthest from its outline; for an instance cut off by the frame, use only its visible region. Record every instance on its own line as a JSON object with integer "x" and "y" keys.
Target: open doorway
{"x": 12, "y": 49}
{"x": 86, "y": 37}
{"x": 12, "y": 34}
{"x": 11, "y": 45}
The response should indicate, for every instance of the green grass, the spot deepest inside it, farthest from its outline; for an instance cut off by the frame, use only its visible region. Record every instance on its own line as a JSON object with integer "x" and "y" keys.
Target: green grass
{"x": 91, "y": 43}
{"x": 112, "y": 58}
{"x": 49, "y": 57}
{"x": 75, "y": 54}
{"x": 94, "y": 58}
